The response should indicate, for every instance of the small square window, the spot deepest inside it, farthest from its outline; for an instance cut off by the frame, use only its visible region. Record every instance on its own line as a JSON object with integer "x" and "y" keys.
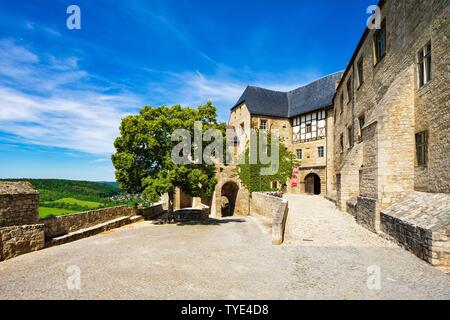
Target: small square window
{"x": 308, "y": 128}
{"x": 422, "y": 148}
{"x": 360, "y": 72}
{"x": 351, "y": 141}
{"x": 263, "y": 125}
{"x": 349, "y": 89}
{"x": 362, "y": 122}
{"x": 321, "y": 152}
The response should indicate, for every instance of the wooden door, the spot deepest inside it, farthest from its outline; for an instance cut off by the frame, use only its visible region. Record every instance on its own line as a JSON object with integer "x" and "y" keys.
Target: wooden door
{"x": 309, "y": 184}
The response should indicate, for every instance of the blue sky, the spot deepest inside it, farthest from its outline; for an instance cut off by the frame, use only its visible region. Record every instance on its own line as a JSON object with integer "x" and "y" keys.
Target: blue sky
{"x": 63, "y": 92}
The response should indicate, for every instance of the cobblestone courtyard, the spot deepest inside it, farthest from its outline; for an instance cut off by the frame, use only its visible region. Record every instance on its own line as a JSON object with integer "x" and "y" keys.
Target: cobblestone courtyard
{"x": 326, "y": 256}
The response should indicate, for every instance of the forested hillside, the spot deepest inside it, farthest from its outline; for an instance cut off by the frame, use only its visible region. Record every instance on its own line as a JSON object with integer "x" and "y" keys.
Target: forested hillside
{"x": 58, "y": 197}
{"x": 51, "y": 190}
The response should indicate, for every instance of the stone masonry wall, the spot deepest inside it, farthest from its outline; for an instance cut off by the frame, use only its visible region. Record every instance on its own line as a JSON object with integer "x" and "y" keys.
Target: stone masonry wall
{"x": 421, "y": 224}
{"x": 19, "y": 204}
{"x": 264, "y": 205}
{"x": 367, "y": 213}
{"x": 61, "y": 225}
{"x": 18, "y": 240}
{"x": 389, "y": 95}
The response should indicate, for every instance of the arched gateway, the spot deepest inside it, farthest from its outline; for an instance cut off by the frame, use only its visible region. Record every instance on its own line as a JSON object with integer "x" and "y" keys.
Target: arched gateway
{"x": 312, "y": 184}
{"x": 229, "y": 195}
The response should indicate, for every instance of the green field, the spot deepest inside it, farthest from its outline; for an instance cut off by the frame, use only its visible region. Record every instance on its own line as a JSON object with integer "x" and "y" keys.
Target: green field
{"x": 46, "y": 212}
{"x": 87, "y": 204}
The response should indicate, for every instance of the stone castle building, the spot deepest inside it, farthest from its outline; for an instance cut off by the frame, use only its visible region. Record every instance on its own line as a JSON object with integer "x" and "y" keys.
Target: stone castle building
{"x": 376, "y": 138}
{"x": 303, "y": 117}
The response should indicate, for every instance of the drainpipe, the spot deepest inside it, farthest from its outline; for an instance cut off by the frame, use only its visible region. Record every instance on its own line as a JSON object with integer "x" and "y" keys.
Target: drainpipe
{"x": 353, "y": 102}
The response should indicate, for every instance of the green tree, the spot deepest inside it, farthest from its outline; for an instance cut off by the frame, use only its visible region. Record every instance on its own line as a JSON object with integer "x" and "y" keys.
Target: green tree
{"x": 250, "y": 174}
{"x": 143, "y": 160}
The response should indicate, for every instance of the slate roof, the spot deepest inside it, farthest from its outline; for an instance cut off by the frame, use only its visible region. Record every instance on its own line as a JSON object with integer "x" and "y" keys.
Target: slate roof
{"x": 316, "y": 95}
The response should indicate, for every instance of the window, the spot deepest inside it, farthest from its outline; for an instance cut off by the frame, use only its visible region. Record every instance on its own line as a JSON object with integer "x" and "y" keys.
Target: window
{"x": 341, "y": 142}
{"x": 349, "y": 89}
{"x": 321, "y": 152}
{"x": 242, "y": 128}
{"x": 351, "y": 141}
{"x": 263, "y": 125}
{"x": 362, "y": 122}
{"x": 299, "y": 154}
{"x": 236, "y": 141}
{"x": 422, "y": 148}
{"x": 274, "y": 184}
{"x": 360, "y": 72}
{"x": 308, "y": 128}
{"x": 424, "y": 65}
{"x": 379, "y": 41}
{"x": 342, "y": 102}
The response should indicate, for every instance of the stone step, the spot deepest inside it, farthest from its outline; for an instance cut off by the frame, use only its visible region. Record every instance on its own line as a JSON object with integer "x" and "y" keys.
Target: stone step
{"x": 135, "y": 219}
{"x": 91, "y": 231}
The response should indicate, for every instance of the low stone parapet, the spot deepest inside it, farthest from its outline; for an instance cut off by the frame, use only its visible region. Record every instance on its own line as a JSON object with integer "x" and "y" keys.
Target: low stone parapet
{"x": 61, "y": 225}
{"x": 153, "y": 212}
{"x": 264, "y": 204}
{"x": 272, "y": 207}
{"x": 15, "y": 241}
{"x": 19, "y": 204}
{"x": 421, "y": 224}
{"x": 279, "y": 223}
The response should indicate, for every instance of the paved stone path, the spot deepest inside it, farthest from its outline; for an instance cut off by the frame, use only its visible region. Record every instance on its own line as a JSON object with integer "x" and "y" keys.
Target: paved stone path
{"x": 326, "y": 256}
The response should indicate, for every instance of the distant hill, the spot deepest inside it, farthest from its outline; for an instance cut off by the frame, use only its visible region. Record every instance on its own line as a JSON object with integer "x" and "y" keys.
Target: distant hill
{"x": 52, "y": 189}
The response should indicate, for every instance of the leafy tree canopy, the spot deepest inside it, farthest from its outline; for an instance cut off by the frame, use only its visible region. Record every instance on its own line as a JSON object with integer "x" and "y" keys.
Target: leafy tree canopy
{"x": 143, "y": 152}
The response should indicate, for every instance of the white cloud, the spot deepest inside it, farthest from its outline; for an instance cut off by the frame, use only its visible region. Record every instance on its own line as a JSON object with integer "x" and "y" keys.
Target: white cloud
{"x": 49, "y": 100}
{"x": 63, "y": 114}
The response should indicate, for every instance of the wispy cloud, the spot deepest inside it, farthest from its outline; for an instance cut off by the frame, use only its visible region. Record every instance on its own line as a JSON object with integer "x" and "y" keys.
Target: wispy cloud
{"x": 49, "y": 100}
{"x": 55, "y": 110}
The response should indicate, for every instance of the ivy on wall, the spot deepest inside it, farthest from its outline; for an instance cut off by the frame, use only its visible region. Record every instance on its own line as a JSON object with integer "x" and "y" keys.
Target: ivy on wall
{"x": 250, "y": 174}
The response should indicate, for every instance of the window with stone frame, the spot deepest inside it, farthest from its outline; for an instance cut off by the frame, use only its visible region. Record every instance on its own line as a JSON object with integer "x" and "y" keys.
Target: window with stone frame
{"x": 321, "y": 152}
{"x": 362, "y": 122}
{"x": 263, "y": 125}
{"x": 242, "y": 128}
{"x": 424, "y": 65}
{"x": 341, "y": 142}
{"x": 341, "y": 102}
{"x": 299, "y": 154}
{"x": 422, "y": 148}
{"x": 379, "y": 42}
{"x": 351, "y": 141}
{"x": 360, "y": 72}
{"x": 349, "y": 89}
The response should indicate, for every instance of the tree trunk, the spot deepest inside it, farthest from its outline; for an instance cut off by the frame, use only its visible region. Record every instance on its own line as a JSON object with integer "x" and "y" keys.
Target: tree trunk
{"x": 171, "y": 205}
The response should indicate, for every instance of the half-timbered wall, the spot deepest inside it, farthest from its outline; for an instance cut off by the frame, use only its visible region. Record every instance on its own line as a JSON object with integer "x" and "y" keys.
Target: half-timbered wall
{"x": 309, "y": 127}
